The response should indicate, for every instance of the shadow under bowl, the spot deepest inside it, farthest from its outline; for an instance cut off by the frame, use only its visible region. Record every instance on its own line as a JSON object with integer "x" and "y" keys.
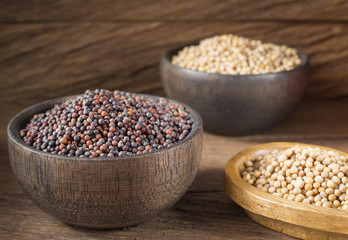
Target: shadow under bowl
{"x": 109, "y": 192}
{"x": 236, "y": 104}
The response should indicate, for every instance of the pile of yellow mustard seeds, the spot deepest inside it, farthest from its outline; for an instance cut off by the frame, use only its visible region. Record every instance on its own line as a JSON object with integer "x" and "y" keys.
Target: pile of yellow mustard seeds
{"x": 232, "y": 54}
{"x": 302, "y": 174}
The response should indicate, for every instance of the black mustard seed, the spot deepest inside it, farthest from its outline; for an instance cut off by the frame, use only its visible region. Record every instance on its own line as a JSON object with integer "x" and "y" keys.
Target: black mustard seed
{"x": 103, "y": 123}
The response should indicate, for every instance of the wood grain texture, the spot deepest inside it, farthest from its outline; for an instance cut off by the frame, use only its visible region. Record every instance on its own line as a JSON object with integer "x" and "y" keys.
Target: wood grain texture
{"x": 51, "y": 49}
{"x": 104, "y": 192}
{"x": 210, "y": 215}
{"x": 174, "y": 10}
{"x": 206, "y": 211}
{"x": 297, "y": 219}
{"x": 43, "y": 61}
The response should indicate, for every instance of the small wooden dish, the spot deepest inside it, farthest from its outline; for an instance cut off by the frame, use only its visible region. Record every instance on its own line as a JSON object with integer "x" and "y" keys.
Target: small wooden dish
{"x": 282, "y": 215}
{"x": 109, "y": 192}
{"x": 236, "y": 104}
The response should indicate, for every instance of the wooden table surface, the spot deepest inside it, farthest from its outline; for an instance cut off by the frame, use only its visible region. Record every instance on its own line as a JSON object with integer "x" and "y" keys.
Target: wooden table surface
{"x": 205, "y": 212}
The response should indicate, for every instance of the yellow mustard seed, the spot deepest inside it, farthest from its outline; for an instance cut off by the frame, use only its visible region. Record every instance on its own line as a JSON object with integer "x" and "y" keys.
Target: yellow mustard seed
{"x": 232, "y": 54}
{"x": 302, "y": 174}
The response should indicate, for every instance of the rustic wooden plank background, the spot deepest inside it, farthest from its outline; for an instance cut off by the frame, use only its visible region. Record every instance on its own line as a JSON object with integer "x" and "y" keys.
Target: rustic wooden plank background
{"x": 53, "y": 48}
{"x": 175, "y": 10}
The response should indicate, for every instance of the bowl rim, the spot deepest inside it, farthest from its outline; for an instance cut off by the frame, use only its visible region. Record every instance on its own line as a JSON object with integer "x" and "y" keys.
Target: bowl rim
{"x": 168, "y": 54}
{"x": 48, "y": 104}
{"x": 233, "y": 178}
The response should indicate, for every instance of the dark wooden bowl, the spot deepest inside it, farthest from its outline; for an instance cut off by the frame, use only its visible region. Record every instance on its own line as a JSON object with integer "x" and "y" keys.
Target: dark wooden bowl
{"x": 236, "y": 104}
{"x": 110, "y": 192}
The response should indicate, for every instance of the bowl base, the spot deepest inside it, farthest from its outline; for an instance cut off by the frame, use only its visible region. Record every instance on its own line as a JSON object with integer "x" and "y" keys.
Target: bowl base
{"x": 100, "y": 227}
{"x": 294, "y": 230}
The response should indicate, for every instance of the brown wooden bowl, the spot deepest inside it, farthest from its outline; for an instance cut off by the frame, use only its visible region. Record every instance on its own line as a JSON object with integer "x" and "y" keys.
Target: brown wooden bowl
{"x": 109, "y": 192}
{"x": 283, "y": 215}
{"x": 236, "y": 104}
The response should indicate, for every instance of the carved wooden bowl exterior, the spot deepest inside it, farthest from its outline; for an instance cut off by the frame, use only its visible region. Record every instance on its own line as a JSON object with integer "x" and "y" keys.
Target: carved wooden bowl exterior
{"x": 236, "y": 104}
{"x": 104, "y": 192}
{"x": 296, "y": 219}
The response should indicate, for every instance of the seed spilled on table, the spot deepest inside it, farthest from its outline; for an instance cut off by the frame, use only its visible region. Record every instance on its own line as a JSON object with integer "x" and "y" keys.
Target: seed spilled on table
{"x": 302, "y": 174}
{"x": 102, "y": 123}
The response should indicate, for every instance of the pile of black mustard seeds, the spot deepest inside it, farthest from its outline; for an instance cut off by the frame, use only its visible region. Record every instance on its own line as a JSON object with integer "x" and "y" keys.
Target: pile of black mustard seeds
{"x": 103, "y": 123}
